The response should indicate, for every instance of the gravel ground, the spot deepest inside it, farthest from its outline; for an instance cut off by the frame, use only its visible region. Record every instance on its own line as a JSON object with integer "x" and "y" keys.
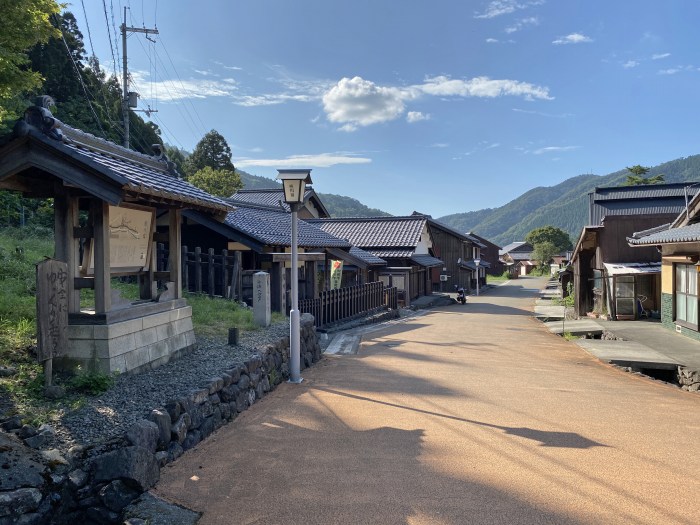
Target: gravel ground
{"x": 133, "y": 396}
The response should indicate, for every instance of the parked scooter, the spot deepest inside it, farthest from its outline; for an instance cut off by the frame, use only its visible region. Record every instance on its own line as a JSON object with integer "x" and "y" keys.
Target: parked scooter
{"x": 461, "y": 296}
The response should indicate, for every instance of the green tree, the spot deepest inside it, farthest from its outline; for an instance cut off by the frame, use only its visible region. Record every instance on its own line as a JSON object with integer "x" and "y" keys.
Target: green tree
{"x": 636, "y": 176}
{"x": 177, "y": 156}
{"x": 23, "y": 23}
{"x": 222, "y": 183}
{"x": 556, "y": 236}
{"x": 212, "y": 151}
{"x": 543, "y": 252}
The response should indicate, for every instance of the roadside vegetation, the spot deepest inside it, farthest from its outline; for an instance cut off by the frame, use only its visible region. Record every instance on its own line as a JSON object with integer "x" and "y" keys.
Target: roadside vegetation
{"x": 21, "y": 376}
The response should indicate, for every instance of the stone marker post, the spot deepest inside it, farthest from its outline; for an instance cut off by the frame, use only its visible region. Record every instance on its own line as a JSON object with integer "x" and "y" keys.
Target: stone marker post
{"x": 261, "y": 299}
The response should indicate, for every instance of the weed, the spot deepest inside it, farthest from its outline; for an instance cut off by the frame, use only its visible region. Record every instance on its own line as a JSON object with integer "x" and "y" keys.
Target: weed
{"x": 91, "y": 383}
{"x": 569, "y": 336}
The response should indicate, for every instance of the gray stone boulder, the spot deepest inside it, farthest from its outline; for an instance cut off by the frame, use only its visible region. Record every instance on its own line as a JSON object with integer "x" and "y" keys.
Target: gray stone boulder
{"x": 117, "y": 495}
{"x": 144, "y": 434}
{"x": 134, "y": 465}
{"x": 162, "y": 419}
{"x": 20, "y": 501}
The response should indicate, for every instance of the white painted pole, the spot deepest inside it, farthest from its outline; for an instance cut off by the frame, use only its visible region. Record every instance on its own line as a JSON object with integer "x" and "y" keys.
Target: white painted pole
{"x": 294, "y": 329}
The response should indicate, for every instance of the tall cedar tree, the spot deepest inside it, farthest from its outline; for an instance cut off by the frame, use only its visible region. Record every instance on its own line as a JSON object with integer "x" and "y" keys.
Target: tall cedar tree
{"x": 636, "y": 176}
{"x": 23, "y": 23}
{"x": 212, "y": 151}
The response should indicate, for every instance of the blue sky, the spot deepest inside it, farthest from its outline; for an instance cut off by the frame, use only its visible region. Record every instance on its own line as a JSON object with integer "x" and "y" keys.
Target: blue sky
{"x": 442, "y": 107}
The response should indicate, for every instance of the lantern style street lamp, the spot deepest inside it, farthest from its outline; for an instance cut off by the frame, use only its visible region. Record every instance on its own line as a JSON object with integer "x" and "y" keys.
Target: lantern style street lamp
{"x": 477, "y": 262}
{"x": 294, "y": 183}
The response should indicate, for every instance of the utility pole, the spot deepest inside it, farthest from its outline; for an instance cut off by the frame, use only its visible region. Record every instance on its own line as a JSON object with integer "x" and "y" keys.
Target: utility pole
{"x": 126, "y": 101}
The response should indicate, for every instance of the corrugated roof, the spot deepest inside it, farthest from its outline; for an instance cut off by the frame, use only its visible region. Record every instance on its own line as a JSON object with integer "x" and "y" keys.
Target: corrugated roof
{"x": 515, "y": 246}
{"x": 632, "y": 268}
{"x": 689, "y": 233}
{"x": 376, "y": 233}
{"x": 649, "y": 191}
{"x": 670, "y": 207}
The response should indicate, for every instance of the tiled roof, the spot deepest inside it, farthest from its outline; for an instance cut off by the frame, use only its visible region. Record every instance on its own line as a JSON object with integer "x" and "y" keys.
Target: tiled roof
{"x": 144, "y": 174}
{"x": 515, "y": 246}
{"x": 689, "y": 233}
{"x": 520, "y": 256}
{"x": 392, "y": 254}
{"x": 376, "y": 233}
{"x": 274, "y": 227}
{"x": 367, "y": 257}
{"x": 427, "y": 260}
{"x": 273, "y": 197}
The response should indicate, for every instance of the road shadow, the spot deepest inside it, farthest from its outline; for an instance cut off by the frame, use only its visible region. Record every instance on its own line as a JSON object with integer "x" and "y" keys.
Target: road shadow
{"x": 307, "y": 463}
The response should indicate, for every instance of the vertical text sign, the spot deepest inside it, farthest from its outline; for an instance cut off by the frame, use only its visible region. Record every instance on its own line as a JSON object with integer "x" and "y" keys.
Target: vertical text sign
{"x": 51, "y": 309}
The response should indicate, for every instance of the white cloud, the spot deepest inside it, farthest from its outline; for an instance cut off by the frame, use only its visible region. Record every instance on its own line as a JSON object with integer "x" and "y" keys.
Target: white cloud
{"x": 359, "y": 102}
{"x": 522, "y": 24}
{"x": 356, "y": 102}
{"x": 630, "y": 64}
{"x": 497, "y": 8}
{"x": 416, "y": 116}
{"x": 552, "y": 149}
{"x": 482, "y": 87}
{"x": 171, "y": 90}
{"x": 492, "y": 41}
{"x": 270, "y": 99}
{"x": 542, "y": 114}
{"x": 677, "y": 69}
{"x": 659, "y": 56}
{"x": 573, "y": 38}
{"x": 440, "y": 145}
{"x": 322, "y": 160}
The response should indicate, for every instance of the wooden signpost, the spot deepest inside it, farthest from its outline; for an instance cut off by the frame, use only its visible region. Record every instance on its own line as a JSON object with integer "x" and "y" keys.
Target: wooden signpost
{"x": 51, "y": 313}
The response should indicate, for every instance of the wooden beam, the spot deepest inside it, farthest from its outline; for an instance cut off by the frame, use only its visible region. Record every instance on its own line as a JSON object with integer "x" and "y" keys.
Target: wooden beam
{"x": 174, "y": 251}
{"x": 103, "y": 292}
{"x": 303, "y": 257}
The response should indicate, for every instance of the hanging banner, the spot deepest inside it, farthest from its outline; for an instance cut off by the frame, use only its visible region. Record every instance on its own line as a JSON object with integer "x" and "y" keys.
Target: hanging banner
{"x": 336, "y": 274}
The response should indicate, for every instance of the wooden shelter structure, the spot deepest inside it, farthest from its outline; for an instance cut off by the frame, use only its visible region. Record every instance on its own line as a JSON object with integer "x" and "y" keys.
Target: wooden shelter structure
{"x": 106, "y": 198}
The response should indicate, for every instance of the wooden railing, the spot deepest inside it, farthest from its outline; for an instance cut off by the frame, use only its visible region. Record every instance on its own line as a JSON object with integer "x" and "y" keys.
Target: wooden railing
{"x": 345, "y": 303}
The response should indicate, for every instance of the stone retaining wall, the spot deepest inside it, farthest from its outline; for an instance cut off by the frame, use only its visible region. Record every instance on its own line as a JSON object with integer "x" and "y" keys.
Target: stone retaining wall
{"x": 92, "y": 485}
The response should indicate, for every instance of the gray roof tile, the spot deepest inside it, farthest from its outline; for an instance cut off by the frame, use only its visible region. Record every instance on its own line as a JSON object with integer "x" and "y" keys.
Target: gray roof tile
{"x": 376, "y": 233}
{"x": 689, "y": 233}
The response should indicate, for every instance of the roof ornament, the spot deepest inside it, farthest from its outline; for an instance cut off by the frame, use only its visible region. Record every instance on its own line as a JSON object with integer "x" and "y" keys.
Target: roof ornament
{"x": 40, "y": 118}
{"x": 159, "y": 154}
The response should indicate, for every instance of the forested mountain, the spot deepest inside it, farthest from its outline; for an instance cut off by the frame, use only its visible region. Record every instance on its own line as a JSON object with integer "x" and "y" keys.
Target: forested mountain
{"x": 564, "y": 205}
{"x": 337, "y": 205}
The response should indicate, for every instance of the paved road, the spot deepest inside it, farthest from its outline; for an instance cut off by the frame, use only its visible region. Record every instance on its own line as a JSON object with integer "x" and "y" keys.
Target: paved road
{"x": 467, "y": 415}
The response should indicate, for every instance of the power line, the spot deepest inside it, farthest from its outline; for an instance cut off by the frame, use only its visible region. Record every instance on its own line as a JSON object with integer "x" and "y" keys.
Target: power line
{"x": 87, "y": 24}
{"x": 109, "y": 34}
{"x": 80, "y": 77}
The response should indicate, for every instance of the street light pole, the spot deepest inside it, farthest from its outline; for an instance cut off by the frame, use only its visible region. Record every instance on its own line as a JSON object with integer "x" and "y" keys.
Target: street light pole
{"x": 294, "y": 184}
{"x": 477, "y": 262}
{"x": 294, "y": 328}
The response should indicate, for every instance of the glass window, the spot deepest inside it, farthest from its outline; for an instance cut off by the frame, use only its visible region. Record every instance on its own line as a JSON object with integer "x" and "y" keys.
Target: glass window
{"x": 687, "y": 293}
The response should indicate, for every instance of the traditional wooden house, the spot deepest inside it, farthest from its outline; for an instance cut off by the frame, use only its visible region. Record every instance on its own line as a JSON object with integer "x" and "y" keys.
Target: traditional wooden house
{"x": 262, "y": 235}
{"x": 609, "y": 276}
{"x": 106, "y": 199}
{"x": 405, "y": 243}
{"x": 489, "y": 253}
{"x": 679, "y": 243}
{"x": 517, "y": 257}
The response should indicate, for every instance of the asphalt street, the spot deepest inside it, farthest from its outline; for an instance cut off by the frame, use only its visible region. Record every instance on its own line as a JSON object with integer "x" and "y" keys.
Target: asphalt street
{"x": 470, "y": 414}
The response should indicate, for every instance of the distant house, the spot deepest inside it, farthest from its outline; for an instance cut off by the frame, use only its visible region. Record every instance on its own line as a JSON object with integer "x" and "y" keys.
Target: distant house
{"x": 679, "y": 243}
{"x": 608, "y": 275}
{"x": 489, "y": 253}
{"x": 459, "y": 253}
{"x": 313, "y": 207}
{"x": 517, "y": 256}
{"x": 405, "y": 243}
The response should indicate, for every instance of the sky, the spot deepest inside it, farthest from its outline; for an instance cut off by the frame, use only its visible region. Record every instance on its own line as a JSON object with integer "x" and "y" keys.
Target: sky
{"x": 440, "y": 107}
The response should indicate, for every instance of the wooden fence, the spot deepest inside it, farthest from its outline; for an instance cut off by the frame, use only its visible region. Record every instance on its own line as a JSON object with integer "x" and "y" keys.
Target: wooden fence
{"x": 217, "y": 275}
{"x": 345, "y": 303}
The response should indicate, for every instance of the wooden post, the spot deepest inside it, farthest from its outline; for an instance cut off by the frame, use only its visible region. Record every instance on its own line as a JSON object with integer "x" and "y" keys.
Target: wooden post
{"x": 210, "y": 272}
{"x": 237, "y": 276}
{"x": 103, "y": 292}
{"x": 185, "y": 270}
{"x": 224, "y": 274}
{"x": 174, "y": 252}
{"x": 198, "y": 269}
{"x": 66, "y": 245}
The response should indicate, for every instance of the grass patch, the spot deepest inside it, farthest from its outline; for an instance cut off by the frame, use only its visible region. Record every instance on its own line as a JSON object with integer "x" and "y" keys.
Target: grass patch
{"x": 570, "y": 337}
{"x": 505, "y": 276}
{"x": 212, "y": 317}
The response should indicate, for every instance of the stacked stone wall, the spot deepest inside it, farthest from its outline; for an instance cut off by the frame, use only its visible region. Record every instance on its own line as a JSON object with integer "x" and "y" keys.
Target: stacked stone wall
{"x": 92, "y": 485}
